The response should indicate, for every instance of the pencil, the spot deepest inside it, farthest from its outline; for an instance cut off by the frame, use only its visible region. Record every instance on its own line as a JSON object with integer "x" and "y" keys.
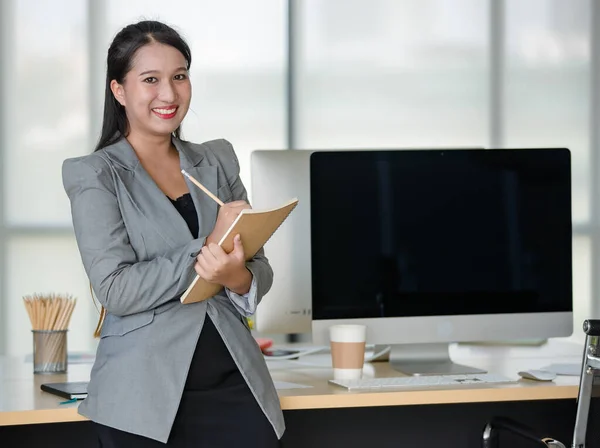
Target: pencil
{"x": 202, "y": 187}
{"x": 49, "y": 312}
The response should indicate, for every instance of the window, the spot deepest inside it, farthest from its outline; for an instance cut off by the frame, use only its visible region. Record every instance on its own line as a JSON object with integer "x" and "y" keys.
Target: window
{"x": 378, "y": 74}
{"x": 391, "y": 73}
{"x": 45, "y": 115}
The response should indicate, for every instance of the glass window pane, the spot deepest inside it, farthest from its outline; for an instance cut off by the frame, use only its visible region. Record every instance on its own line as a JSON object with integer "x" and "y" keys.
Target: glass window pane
{"x": 48, "y": 119}
{"x": 392, "y": 73}
{"x": 46, "y": 264}
{"x": 237, "y": 73}
{"x": 547, "y": 83}
{"x": 582, "y": 284}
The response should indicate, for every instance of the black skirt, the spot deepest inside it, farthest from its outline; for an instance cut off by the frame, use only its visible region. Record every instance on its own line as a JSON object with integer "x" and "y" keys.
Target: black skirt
{"x": 217, "y": 408}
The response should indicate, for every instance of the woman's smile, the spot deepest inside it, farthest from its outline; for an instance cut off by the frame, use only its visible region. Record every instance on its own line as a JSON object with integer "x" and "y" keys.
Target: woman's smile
{"x": 166, "y": 113}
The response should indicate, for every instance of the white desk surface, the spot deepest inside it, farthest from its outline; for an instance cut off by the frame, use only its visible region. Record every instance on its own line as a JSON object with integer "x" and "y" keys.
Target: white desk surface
{"x": 22, "y": 401}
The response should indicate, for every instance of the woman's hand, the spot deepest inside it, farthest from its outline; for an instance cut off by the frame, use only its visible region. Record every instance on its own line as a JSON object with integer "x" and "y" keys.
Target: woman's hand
{"x": 227, "y": 214}
{"x": 214, "y": 265}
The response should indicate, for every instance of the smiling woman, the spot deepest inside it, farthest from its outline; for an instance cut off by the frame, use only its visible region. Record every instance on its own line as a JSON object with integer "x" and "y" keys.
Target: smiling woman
{"x": 167, "y": 373}
{"x": 147, "y": 92}
{"x": 147, "y": 73}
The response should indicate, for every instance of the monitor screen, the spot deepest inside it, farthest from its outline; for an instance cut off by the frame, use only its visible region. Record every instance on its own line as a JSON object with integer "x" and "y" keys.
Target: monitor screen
{"x": 438, "y": 233}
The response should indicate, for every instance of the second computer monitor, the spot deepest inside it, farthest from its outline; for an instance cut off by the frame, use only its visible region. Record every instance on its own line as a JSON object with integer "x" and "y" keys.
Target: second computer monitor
{"x": 278, "y": 176}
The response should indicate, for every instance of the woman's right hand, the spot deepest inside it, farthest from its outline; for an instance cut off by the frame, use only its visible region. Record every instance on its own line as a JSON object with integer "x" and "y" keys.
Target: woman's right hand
{"x": 227, "y": 214}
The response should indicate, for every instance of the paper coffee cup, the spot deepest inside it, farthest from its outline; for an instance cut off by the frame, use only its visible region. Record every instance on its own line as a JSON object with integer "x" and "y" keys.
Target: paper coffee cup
{"x": 347, "y": 350}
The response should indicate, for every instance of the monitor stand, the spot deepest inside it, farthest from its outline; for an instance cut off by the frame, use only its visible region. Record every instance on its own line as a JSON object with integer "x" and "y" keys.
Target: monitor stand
{"x": 425, "y": 359}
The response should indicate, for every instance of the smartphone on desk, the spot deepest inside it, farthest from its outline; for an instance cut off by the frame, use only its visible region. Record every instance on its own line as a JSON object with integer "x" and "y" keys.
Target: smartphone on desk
{"x": 278, "y": 353}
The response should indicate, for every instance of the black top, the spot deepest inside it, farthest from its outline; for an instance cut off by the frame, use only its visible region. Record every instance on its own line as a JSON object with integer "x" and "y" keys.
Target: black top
{"x": 185, "y": 206}
{"x": 221, "y": 371}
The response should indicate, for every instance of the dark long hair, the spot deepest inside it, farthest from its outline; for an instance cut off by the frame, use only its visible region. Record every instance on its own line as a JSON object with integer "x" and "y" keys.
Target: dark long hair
{"x": 118, "y": 63}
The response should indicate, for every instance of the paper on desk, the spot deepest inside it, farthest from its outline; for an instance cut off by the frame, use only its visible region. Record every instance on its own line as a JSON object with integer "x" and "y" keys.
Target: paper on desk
{"x": 567, "y": 369}
{"x": 280, "y": 385}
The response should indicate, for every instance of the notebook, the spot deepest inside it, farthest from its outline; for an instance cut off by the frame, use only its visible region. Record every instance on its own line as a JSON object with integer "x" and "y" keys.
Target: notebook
{"x": 71, "y": 390}
{"x": 255, "y": 227}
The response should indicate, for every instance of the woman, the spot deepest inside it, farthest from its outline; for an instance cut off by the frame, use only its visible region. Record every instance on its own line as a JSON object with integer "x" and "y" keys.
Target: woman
{"x": 184, "y": 375}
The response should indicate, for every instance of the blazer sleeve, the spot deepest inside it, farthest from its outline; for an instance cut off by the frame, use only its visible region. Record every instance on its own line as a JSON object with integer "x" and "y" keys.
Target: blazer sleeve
{"x": 259, "y": 267}
{"x": 122, "y": 284}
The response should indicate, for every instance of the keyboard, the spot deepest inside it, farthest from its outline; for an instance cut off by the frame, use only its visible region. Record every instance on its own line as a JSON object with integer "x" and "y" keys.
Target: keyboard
{"x": 422, "y": 382}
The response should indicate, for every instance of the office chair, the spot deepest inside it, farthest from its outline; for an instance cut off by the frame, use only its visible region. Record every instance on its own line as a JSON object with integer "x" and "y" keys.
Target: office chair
{"x": 590, "y": 366}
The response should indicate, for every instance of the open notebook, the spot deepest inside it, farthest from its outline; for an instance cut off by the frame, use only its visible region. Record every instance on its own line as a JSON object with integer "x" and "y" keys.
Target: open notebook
{"x": 255, "y": 228}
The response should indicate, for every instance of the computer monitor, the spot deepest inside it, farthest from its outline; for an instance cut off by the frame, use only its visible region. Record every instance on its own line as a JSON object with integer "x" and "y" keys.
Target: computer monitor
{"x": 276, "y": 177}
{"x": 428, "y": 248}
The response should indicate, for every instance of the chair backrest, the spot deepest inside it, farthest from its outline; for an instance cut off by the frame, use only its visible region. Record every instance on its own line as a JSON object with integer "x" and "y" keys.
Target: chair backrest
{"x": 589, "y": 367}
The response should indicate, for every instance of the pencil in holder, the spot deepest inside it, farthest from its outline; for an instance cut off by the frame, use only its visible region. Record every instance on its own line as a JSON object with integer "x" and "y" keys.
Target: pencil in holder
{"x": 50, "y": 316}
{"x": 49, "y": 351}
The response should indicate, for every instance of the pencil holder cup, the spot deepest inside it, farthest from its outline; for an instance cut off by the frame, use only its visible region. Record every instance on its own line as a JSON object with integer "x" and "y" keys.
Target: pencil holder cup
{"x": 49, "y": 351}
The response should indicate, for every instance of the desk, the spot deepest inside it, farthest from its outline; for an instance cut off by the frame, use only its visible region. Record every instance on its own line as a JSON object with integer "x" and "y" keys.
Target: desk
{"x": 321, "y": 405}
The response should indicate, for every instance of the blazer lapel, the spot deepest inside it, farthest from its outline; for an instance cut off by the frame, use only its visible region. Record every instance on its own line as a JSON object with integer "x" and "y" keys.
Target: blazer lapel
{"x": 197, "y": 167}
{"x": 145, "y": 195}
{"x": 166, "y": 219}
{"x": 155, "y": 205}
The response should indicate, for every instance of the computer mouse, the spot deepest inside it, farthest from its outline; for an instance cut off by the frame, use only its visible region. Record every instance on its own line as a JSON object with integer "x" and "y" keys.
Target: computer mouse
{"x": 537, "y": 375}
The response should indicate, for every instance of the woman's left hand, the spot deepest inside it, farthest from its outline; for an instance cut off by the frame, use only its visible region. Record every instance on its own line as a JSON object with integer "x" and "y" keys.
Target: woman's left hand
{"x": 214, "y": 265}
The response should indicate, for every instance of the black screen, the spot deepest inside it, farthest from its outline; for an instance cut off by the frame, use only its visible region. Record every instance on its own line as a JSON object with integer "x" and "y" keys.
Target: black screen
{"x": 429, "y": 232}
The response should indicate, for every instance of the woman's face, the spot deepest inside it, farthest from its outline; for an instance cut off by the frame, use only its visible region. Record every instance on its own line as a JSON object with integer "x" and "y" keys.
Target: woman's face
{"x": 156, "y": 92}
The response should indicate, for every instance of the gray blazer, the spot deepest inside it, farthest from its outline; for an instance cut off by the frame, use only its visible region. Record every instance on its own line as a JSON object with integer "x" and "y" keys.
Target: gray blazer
{"x": 139, "y": 255}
